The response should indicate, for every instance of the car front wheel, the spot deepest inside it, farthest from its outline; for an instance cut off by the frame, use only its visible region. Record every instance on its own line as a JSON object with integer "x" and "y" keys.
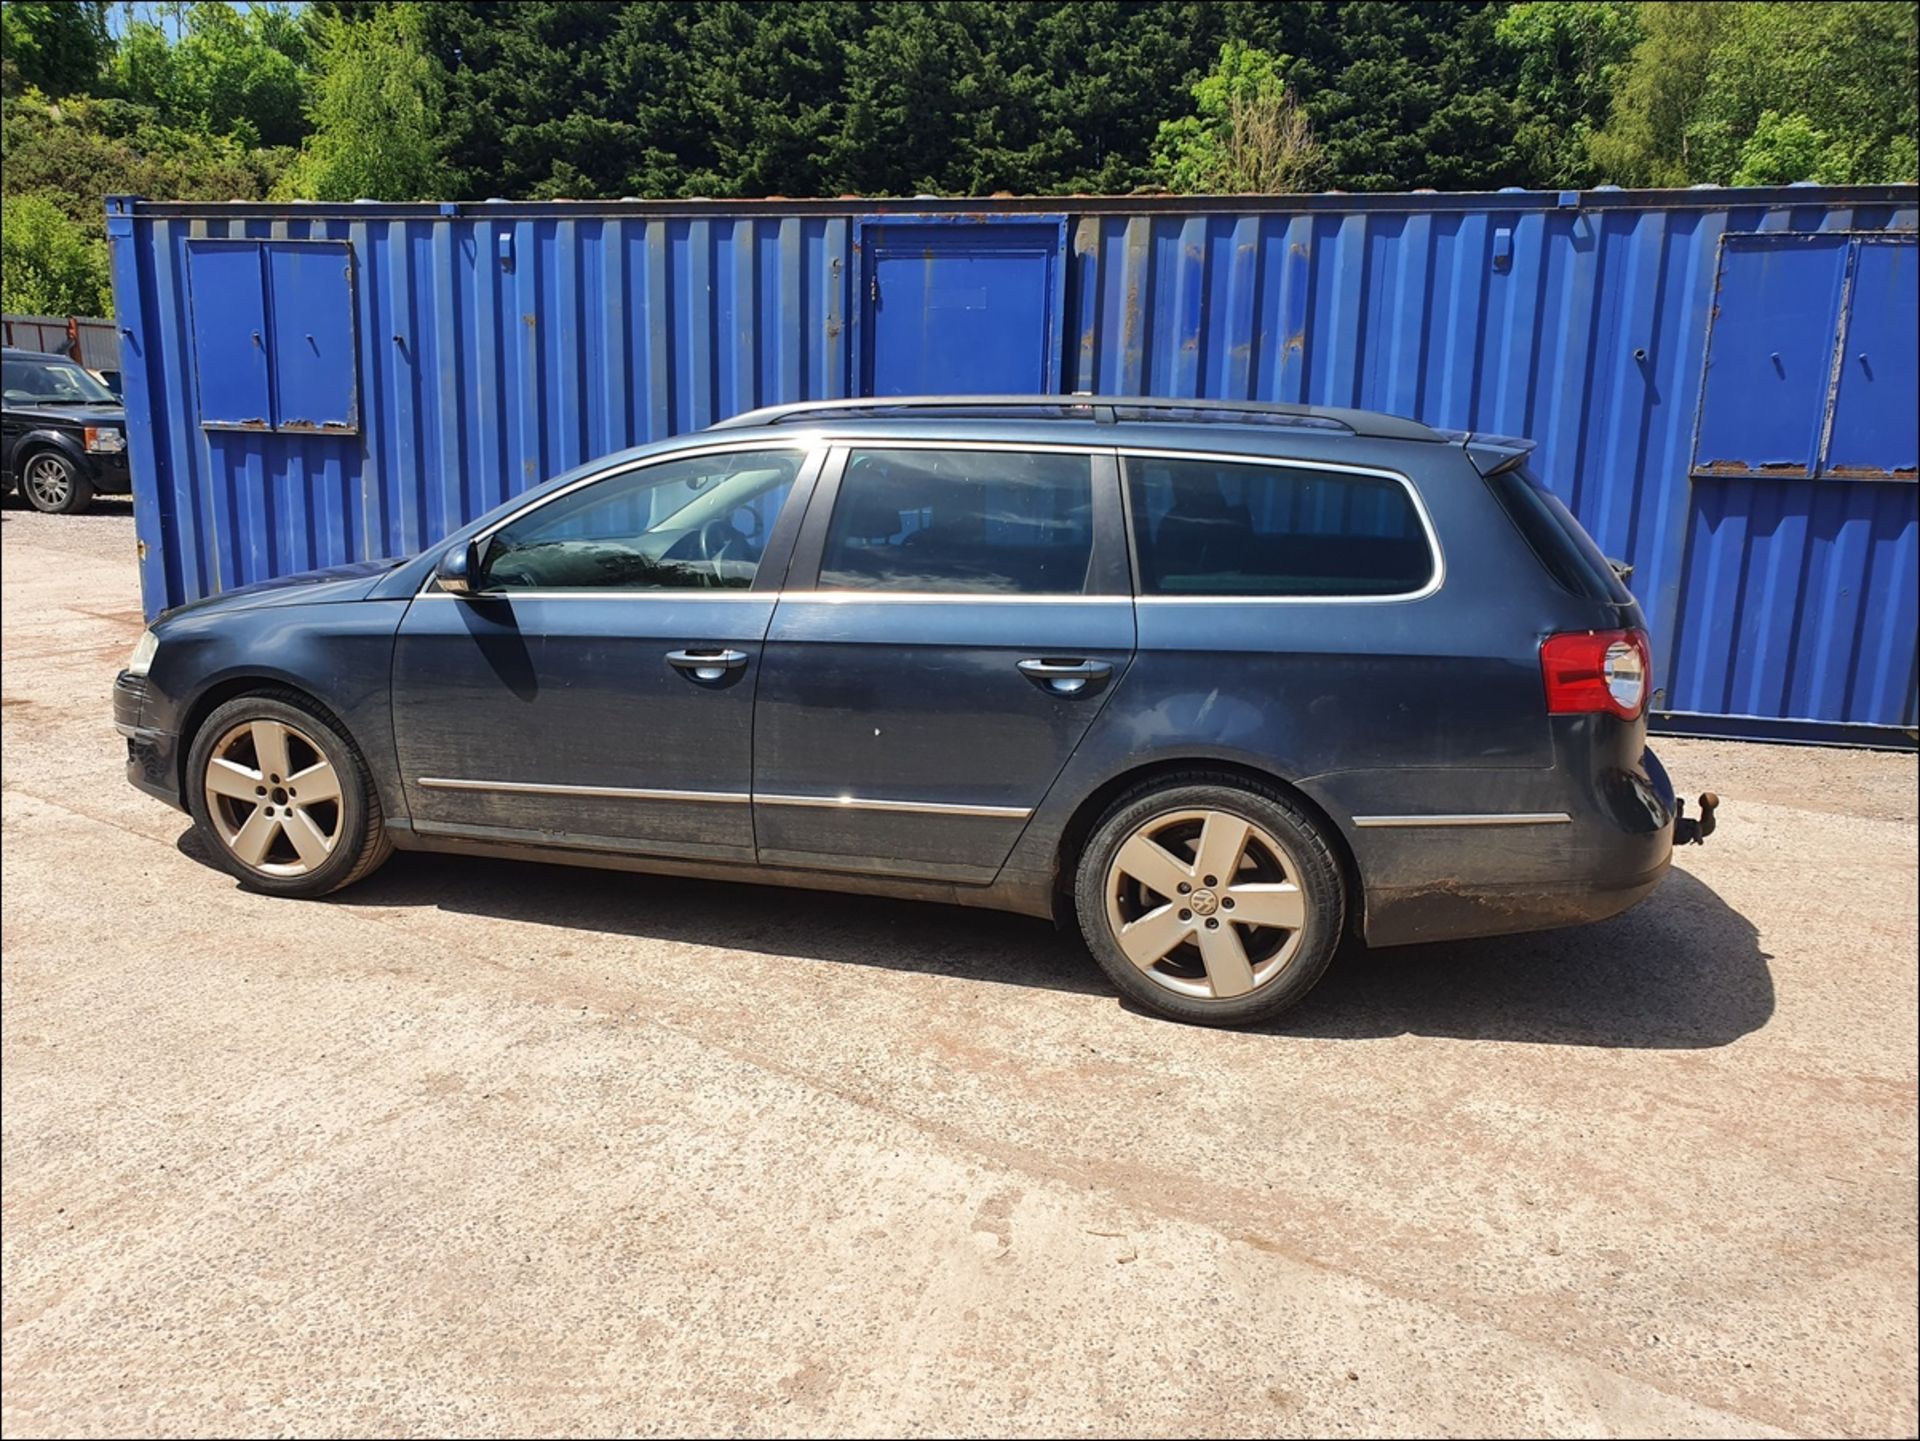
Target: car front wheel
{"x": 53, "y": 484}
{"x": 1209, "y": 900}
{"x": 285, "y": 797}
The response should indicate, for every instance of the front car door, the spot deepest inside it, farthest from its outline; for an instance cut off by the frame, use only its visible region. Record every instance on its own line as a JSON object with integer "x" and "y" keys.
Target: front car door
{"x": 597, "y": 689}
{"x": 956, "y": 617}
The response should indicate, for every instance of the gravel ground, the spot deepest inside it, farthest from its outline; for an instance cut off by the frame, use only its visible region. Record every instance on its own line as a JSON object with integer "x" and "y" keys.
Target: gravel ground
{"x": 509, "y": 1149}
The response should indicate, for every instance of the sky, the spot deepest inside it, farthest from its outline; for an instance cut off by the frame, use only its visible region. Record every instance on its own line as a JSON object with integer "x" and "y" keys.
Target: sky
{"x": 165, "y": 13}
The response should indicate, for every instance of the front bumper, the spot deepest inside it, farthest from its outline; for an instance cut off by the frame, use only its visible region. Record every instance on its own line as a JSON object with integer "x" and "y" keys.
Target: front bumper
{"x": 152, "y": 762}
{"x": 111, "y": 472}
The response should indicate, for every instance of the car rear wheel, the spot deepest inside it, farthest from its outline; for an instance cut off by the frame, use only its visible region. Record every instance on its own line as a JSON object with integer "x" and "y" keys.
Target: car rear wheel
{"x": 1211, "y": 901}
{"x": 53, "y": 484}
{"x": 285, "y": 797}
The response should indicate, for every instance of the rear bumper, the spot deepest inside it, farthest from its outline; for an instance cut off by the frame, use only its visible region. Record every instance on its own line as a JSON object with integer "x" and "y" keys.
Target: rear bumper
{"x": 152, "y": 753}
{"x": 1489, "y": 852}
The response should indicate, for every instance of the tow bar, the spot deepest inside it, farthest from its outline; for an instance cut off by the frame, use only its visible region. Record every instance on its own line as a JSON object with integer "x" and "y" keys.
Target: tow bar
{"x": 1690, "y": 832}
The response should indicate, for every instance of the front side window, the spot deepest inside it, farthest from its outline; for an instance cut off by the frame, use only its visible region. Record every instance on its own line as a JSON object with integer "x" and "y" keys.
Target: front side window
{"x": 962, "y": 521}
{"x": 696, "y": 524}
{"x": 1209, "y": 527}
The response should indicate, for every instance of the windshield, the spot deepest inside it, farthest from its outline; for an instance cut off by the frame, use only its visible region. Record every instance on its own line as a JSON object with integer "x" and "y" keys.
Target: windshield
{"x": 50, "y": 382}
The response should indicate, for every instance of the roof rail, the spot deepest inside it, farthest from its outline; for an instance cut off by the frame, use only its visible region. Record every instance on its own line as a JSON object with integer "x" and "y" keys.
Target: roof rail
{"x": 1103, "y": 409}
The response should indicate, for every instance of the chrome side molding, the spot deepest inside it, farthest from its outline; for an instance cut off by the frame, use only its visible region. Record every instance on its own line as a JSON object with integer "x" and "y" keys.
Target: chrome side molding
{"x": 1499, "y": 818}
{"x": 852, "y": 803}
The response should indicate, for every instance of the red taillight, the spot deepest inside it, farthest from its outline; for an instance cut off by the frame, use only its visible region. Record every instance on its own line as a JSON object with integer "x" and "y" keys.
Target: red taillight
{"x": 1601, "y": 672}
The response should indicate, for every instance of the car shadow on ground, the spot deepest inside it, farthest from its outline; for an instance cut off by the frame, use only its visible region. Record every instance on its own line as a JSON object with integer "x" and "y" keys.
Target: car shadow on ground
{"x": 1683, "y": 970}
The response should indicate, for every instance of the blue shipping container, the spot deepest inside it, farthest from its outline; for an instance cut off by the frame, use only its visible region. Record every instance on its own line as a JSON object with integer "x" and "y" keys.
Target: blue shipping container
{"x": 1722, "y": 382}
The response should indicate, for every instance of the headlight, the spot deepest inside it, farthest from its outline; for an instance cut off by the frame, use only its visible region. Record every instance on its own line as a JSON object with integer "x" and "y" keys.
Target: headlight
{"x": 143, "y": 654}
{"x": 105, "y": 440}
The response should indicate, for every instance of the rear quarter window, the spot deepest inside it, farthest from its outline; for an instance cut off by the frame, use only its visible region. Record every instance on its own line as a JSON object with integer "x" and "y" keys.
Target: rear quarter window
{"x": 1263, "y": 528}
{"x": 1556, "y": 536}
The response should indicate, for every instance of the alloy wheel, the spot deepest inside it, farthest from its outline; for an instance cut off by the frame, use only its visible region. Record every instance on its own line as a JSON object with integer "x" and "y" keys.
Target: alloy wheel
{"x": 1206, "y": 904}
{"x": 274, "y": 798}
{"x": 49, "y": 482}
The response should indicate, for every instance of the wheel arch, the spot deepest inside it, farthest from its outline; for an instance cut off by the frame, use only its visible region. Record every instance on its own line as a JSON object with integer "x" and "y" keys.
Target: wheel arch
{"x": 1086, "y": 816}
{"x": 233, "y": 687}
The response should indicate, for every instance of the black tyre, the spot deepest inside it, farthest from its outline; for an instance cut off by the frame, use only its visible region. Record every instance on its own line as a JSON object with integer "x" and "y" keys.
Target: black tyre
{"x": 54, "y": 484}
{"x": 284, "y": 796}
{"x": 1210, "y": 899}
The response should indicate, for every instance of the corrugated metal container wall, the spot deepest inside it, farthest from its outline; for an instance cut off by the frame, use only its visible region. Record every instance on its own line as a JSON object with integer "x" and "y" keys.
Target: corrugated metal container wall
{"x": 493, "y": 345}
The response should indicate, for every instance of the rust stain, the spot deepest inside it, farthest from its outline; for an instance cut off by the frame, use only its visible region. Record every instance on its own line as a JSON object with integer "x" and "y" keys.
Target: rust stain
{"x": 1297, "y": 342}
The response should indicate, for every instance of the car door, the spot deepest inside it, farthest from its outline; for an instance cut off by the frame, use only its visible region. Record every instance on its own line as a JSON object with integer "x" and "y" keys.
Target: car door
{"x": 597, "y": 688}
{"x": 955, "y": 619}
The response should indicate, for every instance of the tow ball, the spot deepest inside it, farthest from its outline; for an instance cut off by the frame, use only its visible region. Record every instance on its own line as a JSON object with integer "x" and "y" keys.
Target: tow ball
{"x": 1688, "y": 831}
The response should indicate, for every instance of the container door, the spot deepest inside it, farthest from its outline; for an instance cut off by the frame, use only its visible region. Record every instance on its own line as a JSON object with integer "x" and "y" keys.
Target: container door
{"x": 961, "y": 308}
{"x": 971, "y": 621}
{"x": 598, "y": 690}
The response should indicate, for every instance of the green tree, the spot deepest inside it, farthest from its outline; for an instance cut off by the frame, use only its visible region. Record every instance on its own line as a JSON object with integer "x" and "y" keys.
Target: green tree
{"x": 1569, "y": 55}
{"x": 376, "y": 113}
{"x": 1839, "y": 80}
{"x": 240, "y": 72}
{"x": 50, "y": 264}
{"x": 53, "y": 45}
{"x": 1247, "y": 133}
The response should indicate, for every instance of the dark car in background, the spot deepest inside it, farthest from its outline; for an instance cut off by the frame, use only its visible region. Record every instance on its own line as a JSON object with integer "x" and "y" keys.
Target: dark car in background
{"x": 1220, "y": 684}
{"x": 65, "y": 433}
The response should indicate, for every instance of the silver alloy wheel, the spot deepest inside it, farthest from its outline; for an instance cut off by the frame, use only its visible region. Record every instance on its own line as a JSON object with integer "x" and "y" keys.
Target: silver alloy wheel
{"x": 49, "y": 481}
{"x": 1206, "y": 903}
{"x": 274, "y": 798}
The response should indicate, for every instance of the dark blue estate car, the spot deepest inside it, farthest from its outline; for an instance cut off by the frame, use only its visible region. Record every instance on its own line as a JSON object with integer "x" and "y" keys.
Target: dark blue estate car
{"x": 1224, "y": 683}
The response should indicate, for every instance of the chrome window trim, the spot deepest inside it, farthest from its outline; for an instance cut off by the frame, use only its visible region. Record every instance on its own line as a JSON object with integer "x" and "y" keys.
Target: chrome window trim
{"x": 628, "y": 793}
{"x": 1506, "y": 818}
{"x": 858, "y": 441}
{"x": 534, "y": 593}
{"x": 836, "y": 597}
{"x": 947, "y": 597}
{"x": 1434, "y": 548}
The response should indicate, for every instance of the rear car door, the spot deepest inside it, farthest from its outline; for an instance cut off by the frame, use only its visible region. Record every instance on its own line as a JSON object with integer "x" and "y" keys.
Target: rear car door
{"x": 956, "y": 617}
{"x": 597, "y": 689}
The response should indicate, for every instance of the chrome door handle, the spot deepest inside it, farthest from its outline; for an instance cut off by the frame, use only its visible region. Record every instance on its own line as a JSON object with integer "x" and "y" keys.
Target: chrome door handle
{"x": 1066, "y": 677}
{"x": 706, "y": 666}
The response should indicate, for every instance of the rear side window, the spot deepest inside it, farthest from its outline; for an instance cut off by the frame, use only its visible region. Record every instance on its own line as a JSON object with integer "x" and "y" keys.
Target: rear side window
{"x": 1211, "y": 527}
{"x": 964, "y": 521}
{"x": 1557, "y": 537}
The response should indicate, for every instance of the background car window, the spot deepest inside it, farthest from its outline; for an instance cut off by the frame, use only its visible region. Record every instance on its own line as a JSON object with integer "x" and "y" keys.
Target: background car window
{"x": 1206, "y": 527}
{"x": 1001, "y": 522}
{"x": 50, "y": 382}
{"x": 695, "y": 524}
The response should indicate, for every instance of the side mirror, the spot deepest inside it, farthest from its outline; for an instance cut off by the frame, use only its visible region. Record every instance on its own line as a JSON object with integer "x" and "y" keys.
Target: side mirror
{"x": 458, "y": 571}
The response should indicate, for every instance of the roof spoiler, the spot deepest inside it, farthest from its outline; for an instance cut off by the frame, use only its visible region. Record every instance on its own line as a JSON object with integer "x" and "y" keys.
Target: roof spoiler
{"x": 1492, "y": 454}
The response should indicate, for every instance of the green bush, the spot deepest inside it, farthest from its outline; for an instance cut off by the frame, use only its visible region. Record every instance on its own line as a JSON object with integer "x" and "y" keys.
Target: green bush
{"x": 50, "y": 264}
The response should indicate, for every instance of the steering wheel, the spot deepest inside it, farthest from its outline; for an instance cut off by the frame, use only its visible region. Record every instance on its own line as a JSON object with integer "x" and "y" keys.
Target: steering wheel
{"x": 721, "y": 541}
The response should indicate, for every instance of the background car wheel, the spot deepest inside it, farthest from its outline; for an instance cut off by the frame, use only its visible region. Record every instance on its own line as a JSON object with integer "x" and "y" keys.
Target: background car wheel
{"x": 284, "y": 797}
{"x": 53, "y": 484}
{"x": 1210, "y": 900}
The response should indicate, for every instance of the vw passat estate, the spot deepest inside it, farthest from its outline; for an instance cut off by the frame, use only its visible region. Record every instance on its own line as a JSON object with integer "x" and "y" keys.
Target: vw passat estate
{"x": 1219, "y": 684}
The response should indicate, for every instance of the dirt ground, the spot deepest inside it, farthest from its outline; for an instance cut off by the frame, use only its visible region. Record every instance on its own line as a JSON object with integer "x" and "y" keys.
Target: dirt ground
{"x": 509, "y": 1149}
